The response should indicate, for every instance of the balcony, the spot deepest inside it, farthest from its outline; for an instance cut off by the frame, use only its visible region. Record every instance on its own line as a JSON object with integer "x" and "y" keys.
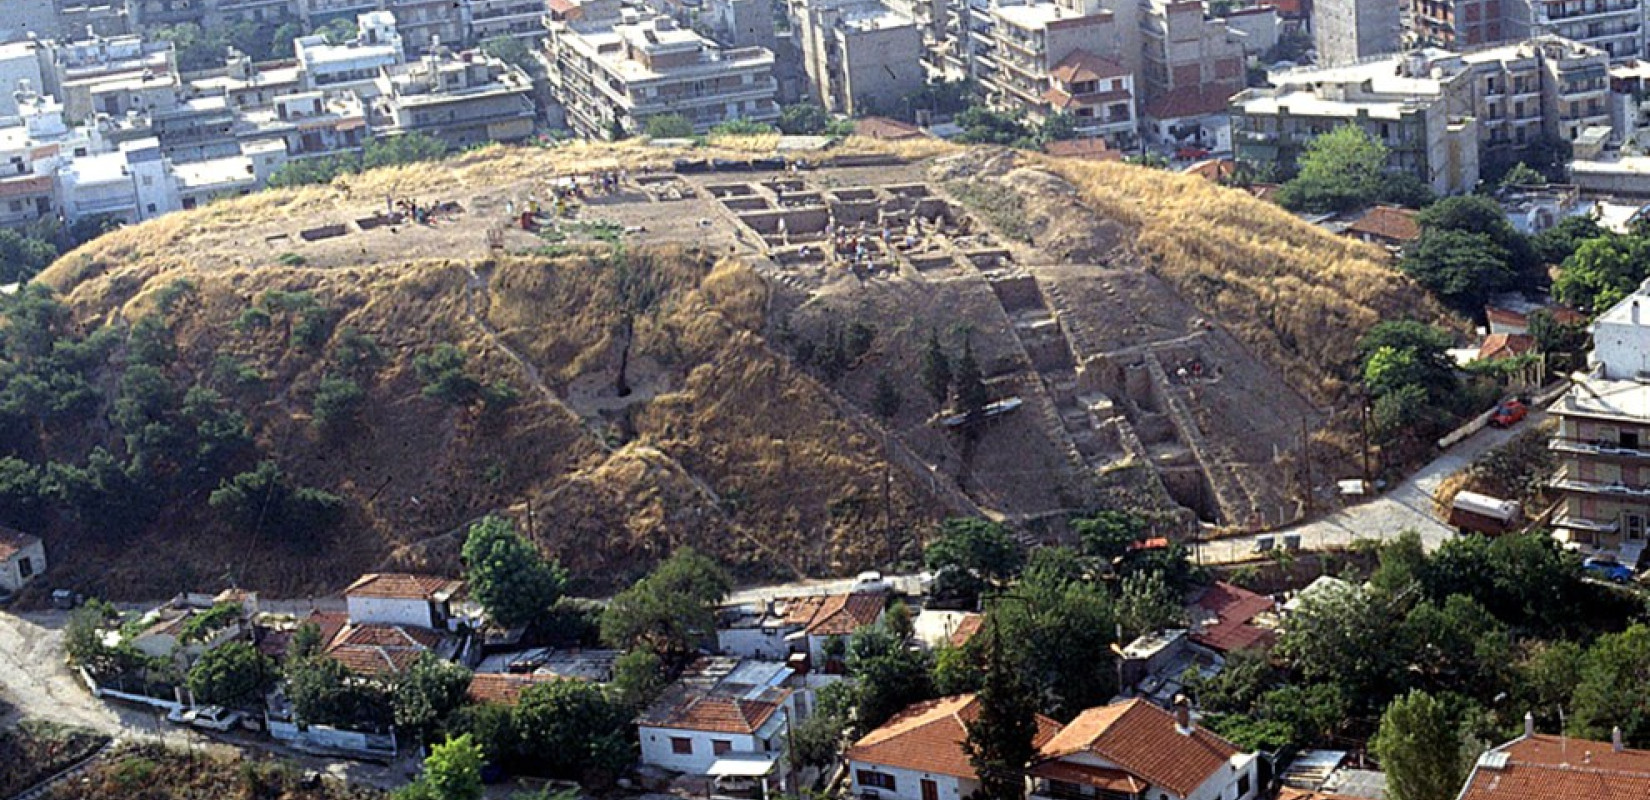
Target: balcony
{"x": 1604, "y": 449}
{"x": 1564, "y": 481}
{"x": 1571, "y": 523}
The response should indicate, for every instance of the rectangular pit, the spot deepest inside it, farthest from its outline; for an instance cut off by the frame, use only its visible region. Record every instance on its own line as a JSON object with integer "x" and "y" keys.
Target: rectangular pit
{"x": 989, "y": 259}
{"x": 913, "y": 190}
{"x": 854, "y": 195}
{"x": 746, "y": 203}
{"x": 722, "y": 190}
{"x": 797, "y": 221}
{"x": 324, "y": 232}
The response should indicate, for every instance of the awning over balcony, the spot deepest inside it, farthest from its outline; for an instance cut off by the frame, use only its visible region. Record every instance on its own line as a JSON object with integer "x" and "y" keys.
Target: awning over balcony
{"x": 1111, "y": 780}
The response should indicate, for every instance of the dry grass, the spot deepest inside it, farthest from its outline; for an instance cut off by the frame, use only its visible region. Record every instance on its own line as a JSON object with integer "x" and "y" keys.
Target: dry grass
{"x": 1297, "y": 295}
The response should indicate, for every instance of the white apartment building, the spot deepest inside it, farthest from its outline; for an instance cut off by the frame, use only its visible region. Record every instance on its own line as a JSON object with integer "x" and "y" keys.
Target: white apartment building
{"x": 463, "y": 99}
{"x": 611, "y": 72}
{"x": 354, "y": 65}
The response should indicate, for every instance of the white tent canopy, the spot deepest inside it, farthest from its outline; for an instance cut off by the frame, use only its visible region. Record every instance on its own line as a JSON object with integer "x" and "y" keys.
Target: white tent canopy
{"x": 743, "y": 765}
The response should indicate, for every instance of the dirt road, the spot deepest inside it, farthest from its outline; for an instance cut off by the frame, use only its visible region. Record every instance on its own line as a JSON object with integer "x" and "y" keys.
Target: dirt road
{"x": 1407, "y": 506}
{"x": 36, "y": 680}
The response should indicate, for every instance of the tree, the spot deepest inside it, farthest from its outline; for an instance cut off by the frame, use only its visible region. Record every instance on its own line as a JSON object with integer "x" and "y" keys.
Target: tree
{"x": 1522, "y": 175}
{"x": 234, "y": 674}
{"x": 886, "y": 400}
{"x": 1060, "y": 633}
{"x": 1001, "y": 736}
{"x": 818, "y": 739}
{"x": 427, "y": 693}
{"x": 972, "y": 396}
{"x": 1340, "y": 171}
{"x": 451, "y": 772}
{"x": 1557, "y": 243}
{"x": 983, "y": 125}
{"x": 1108, "y": 534}
{"x": 442, "y": 372}
{"x": 1348, "y": 637}
{"x": 668, "y": 126}
{"x": 406, "y": 148}
{"x": 511, "y": 51}
{"x": 1462, "y": 269}
{"x": 1553, "y": 336}
{"x": 22, "y": 257}
{"x": 891, "y": 675}
{"x": 968, "y": 555}
{"x": 1615, "y": 677}
{"x": 569, "y": 728}
{"x": 740, "y": 127}
{"x": 1480, "y": 215}
{"x": 337, "y": 403}
{"x": 803, "y": 118}
{"x": 638, "y": 678}
{"x": 1057, "y": 127}
{"x": 508, "y": 575}
{"x": 263, "y": 500}
{"x": 936, "y": 371}
{"x": 1603, "y": 271}
{"x": 1148, "y": 604}
{"x": 325, "y": 692}
{"x": 671, "y": 610}
{"x": 1419, "y": 748}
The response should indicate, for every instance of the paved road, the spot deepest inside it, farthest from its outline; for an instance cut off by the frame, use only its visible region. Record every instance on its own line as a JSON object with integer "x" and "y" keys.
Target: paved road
{"x": 1407, "y": 506}
{"x": 35, "y": 678}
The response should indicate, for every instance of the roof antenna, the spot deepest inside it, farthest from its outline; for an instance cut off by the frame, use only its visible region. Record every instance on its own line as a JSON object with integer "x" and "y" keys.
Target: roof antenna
{"x": 1563, "y": 737}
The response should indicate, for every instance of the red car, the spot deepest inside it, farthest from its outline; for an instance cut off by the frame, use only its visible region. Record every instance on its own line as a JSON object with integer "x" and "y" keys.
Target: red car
{"x": 1509, "y": 413}
{"x": 1191, "y": 153}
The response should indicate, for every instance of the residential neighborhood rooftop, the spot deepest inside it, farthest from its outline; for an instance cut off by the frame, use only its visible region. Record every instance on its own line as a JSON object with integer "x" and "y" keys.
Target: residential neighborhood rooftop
{"x": 403, "y": 586}
{"x": 1144, "y": 740}
{"x": 930, "y": 736}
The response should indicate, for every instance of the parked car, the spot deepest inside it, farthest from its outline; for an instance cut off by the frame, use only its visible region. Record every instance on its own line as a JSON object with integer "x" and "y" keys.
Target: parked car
{"x": 1191, "y": 153}
{"x": 215, "y": 718}
{"x": 1607, "y": 569}
{"x": 1509, "y": 413}
{"x": 67, "y": 599}
{"x": 180, "y": 715}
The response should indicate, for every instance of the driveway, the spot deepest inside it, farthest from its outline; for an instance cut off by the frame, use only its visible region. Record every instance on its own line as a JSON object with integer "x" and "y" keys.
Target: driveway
{"x": 1407, "y": 506}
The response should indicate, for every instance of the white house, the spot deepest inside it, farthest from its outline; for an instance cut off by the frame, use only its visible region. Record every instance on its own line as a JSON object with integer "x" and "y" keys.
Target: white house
{"x": 22, "y": 556}
{"x": 401, "y": 599}
{"x": 722, "y": 710}
{"x": 1137, "y": 749}
{"x": 797, "y": 625}
{"x": 920, "y": 755}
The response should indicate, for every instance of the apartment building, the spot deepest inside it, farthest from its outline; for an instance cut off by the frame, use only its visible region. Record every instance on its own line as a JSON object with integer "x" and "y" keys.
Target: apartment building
{"x": 81, "y": 73}
{"x": 427, "y": 24}
{"x": 354, "y": 65}
{"x": 462, "y": 99}
{"x": 517, "y": 19}
{"x": 1421, "y": 104}
{"x": 612, "y": 71}
{"x": 1613, "y": 26}
{"x": 1347, "y": 31}
{"x": 861, "y": 56}
{"x": 1603, "y": 437}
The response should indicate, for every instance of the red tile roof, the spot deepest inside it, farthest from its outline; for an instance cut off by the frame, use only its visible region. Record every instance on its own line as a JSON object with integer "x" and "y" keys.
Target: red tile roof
{"x": 1081, "y": 65}
{"x": 12, "y": 542}
{"x": 886, "y": 129}
{"x": 1142, "y": 739}
{"x": 1213, "y": 170}
{"x": 1505, "y": 345}
{"x": 400, "y": 586}
{"x": 835, "y": 614}
{"x": 1111, "y": 780}
{"x": 967, "y": 628}
{"x": 1189, "y": 101}
{"x": 1545, "y": 767}
{"x": 930, "y": 736}
{"x": 1387, "y": 223}
{"x": 380, "y": 649}
{"x": 503, "y": 688}
{"x": 713, "y": 714}
{"x": 1233, "y": 610}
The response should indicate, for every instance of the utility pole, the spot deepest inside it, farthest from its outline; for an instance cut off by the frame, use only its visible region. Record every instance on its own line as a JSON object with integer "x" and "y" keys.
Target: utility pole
{"x": 1306, "y": 467}
{"x": 1363, "y": 433}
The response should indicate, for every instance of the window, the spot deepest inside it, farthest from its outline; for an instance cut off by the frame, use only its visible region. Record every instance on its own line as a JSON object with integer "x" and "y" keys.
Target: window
{"x": 681, "y": 745}
{"x": 871, "y": 779}
{"x": 1243, "y": 785}
{"x": 930, "y": 790}
{"x": 25, "y": 567}
{"x": 720, "y": 747}
{"x": 16, "y": 206}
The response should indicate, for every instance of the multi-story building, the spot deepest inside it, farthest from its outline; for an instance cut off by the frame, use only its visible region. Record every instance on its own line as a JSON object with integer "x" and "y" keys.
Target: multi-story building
{"x": 518, "y": 19}
{"x": 1614, "y": 26}
{"x": 611, "y": 73}
{"x": 79, "y": 74}
{"x": 1512, "y": 98}
{"x": 1347, "y": 31}
{"x": 100, "y": 17}
{"x": 1603, "y": 437}
{"x": 861, "y": 56}
{"x": 354, "y": 65}
{"x": 463, "y": 100}
{"x": 427, "y": 24}
{"x": 1099, "y": 95}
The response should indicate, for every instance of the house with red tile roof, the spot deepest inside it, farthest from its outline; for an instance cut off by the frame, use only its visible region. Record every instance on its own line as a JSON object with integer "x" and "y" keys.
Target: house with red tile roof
{"x": 1388, "y": 227}
{"x": 376, "y": 650}
{"x": 402, "y": 599}
{"x": 22, "y": 556}
{"x": 1225, "y": 618}
{"x": 1136, "y": 749}
{"x": 920, "y": 753}
{"x": 721, "y": 710}
{"x": 1505, "y": 345}
{"x": 1543, "y": 767}
{"x": 793, "y": 625}
{"x": 504, "y": 688}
